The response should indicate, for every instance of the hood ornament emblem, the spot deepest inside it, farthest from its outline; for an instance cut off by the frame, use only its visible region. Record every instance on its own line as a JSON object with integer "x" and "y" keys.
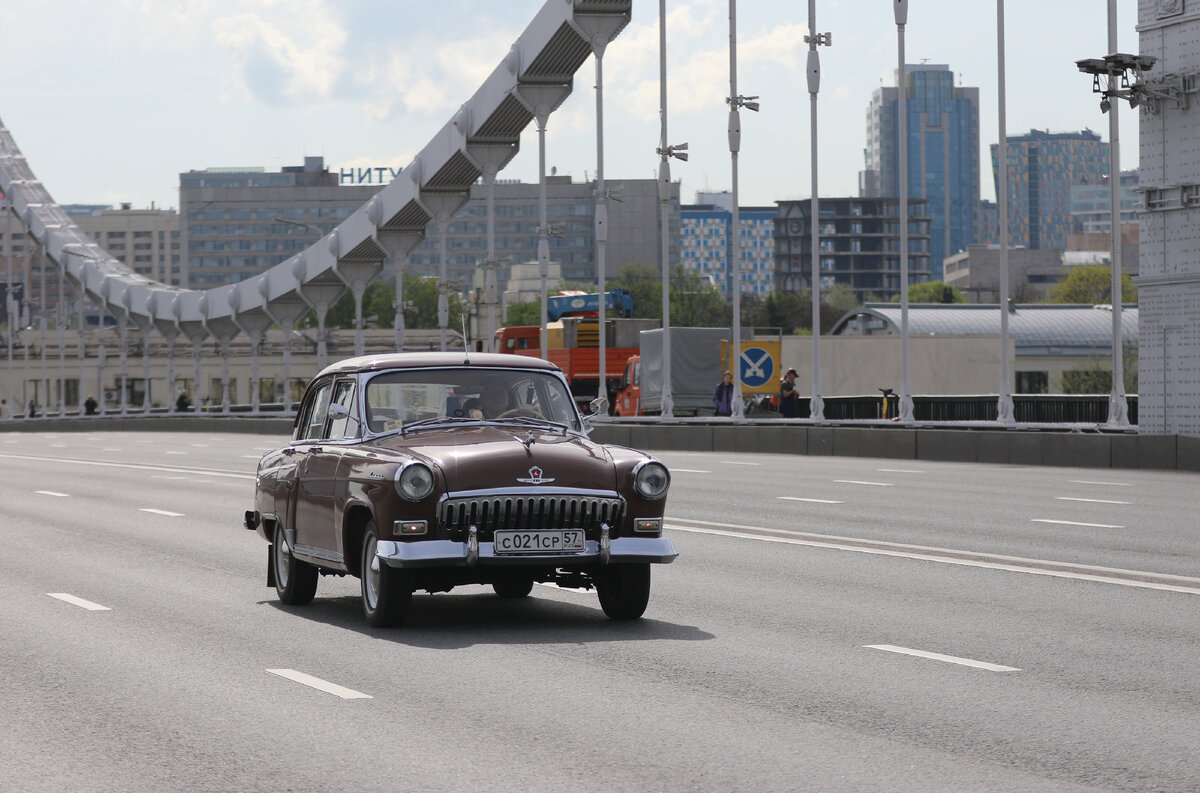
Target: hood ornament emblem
{"x": 535, "y": 477}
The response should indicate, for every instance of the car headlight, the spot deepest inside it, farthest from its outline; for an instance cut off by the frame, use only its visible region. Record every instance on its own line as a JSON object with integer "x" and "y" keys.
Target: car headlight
{"x": 414, "y": 481}
{"x": 651, "y": 479}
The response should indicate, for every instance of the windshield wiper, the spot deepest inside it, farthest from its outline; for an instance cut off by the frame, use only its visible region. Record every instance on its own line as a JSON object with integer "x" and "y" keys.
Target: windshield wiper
{"x": 533, "y": 421}
{"x": 436, "y": 421}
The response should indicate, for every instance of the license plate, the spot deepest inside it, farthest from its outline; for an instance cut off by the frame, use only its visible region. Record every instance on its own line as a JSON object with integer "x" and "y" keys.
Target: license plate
{"x": 545, "y": 541}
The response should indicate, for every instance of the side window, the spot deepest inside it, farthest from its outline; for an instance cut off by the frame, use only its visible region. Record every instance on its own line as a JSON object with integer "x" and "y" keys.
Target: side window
{"x": 344, "y": 426}
{"x": 315, "y": 413}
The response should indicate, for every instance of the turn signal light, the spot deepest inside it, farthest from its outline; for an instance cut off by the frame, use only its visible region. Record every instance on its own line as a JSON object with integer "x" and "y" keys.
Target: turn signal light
{"x": 408, "y": 528}
{"x": 648, "y": 525}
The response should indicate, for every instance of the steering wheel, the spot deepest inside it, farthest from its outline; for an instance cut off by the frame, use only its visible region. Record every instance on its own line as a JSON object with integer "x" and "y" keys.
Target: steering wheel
{"x": 521, "y": 410}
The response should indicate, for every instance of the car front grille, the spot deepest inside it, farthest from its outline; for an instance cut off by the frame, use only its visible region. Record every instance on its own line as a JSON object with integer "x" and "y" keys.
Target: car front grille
{"x": 540, "y": 511}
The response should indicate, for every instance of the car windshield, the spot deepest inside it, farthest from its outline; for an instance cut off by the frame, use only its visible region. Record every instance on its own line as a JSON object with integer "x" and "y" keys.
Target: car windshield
{"x": 399, "y": 399}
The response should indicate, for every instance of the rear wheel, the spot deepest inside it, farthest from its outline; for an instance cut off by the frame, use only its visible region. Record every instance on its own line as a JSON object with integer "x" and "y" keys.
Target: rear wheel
{"x": 513, "y": 588}
{"x": 386, "y": 591}
{"x": 295, "y": 581}
{"x": 624, "y": 590}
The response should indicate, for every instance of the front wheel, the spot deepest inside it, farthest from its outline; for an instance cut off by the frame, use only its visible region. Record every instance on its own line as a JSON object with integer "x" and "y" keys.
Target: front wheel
{"x": 386, "y": 591}
{"x": 295, "y": 581}
{"x": 624, "y": 590}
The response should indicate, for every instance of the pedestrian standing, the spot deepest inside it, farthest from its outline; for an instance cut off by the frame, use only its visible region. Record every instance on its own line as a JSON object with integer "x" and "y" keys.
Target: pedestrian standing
{"x": 5, "y": 413}
{"x": 89, "y": 406}
{"x": 723, "y": 396}
{"x": 789, "y": 400}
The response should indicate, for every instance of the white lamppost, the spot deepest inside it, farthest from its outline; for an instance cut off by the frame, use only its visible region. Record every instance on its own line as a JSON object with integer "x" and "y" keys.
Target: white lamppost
{"x": 665, "y": 152}
{"x": 816, "y": 405}
{"x": 1004, "y": 407}
{"x": 906, "y": 403}
{"x": 736, "y": 101}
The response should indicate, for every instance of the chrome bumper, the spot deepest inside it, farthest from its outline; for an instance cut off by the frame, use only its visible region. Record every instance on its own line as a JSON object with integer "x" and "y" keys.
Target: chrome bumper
{"x": 447, "y": 553}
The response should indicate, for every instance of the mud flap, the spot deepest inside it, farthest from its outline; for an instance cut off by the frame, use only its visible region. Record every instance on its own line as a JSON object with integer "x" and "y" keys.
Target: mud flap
{"x": 270, "y": 565}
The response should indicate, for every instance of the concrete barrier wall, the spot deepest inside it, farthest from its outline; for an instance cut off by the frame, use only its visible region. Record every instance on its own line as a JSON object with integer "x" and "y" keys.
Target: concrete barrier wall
{"x": 1009, "y": 446}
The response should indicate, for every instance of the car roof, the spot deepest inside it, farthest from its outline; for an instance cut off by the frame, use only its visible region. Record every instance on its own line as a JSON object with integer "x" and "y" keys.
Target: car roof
{"x": 431, "y": 360}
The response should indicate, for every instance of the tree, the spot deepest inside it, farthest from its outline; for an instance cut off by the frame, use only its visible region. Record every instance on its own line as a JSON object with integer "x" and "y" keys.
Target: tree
{"x": 932, "y": 292}
{"x": 1092, "y": 285}
{"x": 529, "y": 313}
{"x": 379, "y": 306}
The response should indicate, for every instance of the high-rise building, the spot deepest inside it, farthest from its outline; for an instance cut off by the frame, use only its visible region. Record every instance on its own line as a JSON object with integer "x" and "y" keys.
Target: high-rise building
{"x": 706, "y": 244}
{"x": 146, "y": 241}
{"x": 1091, "y": 205}
{"x": 239, "y": 222}
{"x": 942, "y": 142}
{"x": 859, "y": 240}
{"x": 634, "y": 228}
{"x": 1042, "y": 169}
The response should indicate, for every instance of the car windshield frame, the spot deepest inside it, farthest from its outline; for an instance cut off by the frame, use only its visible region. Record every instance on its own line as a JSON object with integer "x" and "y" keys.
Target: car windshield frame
{"x": 395, "y": 400}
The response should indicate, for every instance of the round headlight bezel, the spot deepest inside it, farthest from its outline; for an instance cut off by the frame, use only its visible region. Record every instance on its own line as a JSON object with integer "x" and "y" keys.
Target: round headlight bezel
{"x": 409, "y": 483}
{"x": 643, "y": 475}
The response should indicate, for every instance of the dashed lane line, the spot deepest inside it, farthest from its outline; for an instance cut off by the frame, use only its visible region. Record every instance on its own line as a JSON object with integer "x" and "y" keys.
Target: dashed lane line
{"x": 1092, "y": 482}
{"x": 1076, "y": 523}
{"x": 78, "y": 601}
{"x": 1090, "y": 500}
{"x": 810, "y": 500}
{"x": 950, "y": 659}
{"x": 52, "y": 493}
{"x": 163, "y": 512}
{"x": 319, "y": 684}
{"x": 689, "y": 471}
{"x": 860, "y": 482}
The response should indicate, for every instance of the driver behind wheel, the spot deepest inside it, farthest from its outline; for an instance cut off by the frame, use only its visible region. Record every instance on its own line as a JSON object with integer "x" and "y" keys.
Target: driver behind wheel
{"x": 492, "y": 402}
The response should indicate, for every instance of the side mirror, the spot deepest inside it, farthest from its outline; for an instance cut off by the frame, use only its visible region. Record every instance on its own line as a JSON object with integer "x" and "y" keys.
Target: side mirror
{"x": 598, "y": 406}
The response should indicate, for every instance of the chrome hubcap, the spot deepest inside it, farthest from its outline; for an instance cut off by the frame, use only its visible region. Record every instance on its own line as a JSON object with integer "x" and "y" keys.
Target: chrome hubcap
{"x": 371, "y": 579}
{"x": 281, "y": 559}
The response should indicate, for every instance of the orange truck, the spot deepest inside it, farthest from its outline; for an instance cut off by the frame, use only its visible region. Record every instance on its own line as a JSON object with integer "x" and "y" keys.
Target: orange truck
{"x": 573, "y": 345}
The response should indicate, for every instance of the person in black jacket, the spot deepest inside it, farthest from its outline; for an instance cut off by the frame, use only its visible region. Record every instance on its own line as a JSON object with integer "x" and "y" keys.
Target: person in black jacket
{"x": 723, "y": 396}
{"x": 789, "y": 400}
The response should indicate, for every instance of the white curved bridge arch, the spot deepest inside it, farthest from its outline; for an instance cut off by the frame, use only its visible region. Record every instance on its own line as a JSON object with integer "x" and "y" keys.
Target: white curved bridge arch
{"x": 532, "y": 80}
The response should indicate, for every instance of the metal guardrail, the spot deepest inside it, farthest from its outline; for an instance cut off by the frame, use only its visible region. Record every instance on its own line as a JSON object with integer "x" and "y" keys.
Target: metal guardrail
{"x": 1027, "y": 408}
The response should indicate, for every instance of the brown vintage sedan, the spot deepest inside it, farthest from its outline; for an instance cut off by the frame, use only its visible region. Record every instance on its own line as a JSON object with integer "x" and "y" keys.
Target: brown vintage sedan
{"x": 427, "y": 471}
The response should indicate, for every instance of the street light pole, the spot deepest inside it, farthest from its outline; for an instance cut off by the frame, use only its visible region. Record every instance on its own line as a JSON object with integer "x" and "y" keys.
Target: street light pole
{"x": 735, "y": 144}
{"x": 1004, "y": 406}
{"x": 601, "y": 221}
{"x": 816, "y": 405}
{"x": 906, "y": 404}
{"x": 1118, "y": 409}
{"x": 665, "y": 152}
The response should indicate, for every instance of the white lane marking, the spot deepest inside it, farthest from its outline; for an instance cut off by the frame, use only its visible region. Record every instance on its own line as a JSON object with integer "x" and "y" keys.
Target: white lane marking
{"x": 136, "y": 466}
{"x": 1076, "y": 523}
{"x": 813, "y": 500}
{"x": 198, "y": 445}
{"x": 860, "y": 482}
{"x": 58, "y": 446}
{"x": 734, "y": 462}
{"x": 950, "y": 659}
{"x": 174, "y": 452}
{"x": 899, "y": 471}
{"x": 1090, "y": 500}
{"x": 1011, "y": 564}
{"x": 75, "y": 601}
{"x": 166, "y": 478}
{"x": 1090, "y": 482}
{"x": 259, "y": 457}
{"x": 52, "y": 493}
{"x": 111, "y": 449}
{"x": 689, "y": 471}
{"x": 161, "y": 512}
{"x": 319, "y": 684}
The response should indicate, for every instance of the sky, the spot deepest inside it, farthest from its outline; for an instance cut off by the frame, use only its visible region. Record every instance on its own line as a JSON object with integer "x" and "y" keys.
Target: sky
{"x": 111, "y": 101}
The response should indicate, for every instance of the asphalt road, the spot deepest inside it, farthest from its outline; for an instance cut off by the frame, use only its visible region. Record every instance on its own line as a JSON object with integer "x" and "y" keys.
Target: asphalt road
{"x": 832, "y": 624}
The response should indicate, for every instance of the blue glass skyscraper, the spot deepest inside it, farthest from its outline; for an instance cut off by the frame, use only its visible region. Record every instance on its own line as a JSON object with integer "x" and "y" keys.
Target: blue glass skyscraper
{"x": 942, "y": 144}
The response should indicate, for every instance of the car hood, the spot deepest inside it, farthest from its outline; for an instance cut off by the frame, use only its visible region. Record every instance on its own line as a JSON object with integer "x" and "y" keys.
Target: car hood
{"x": 484, "y": 458}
